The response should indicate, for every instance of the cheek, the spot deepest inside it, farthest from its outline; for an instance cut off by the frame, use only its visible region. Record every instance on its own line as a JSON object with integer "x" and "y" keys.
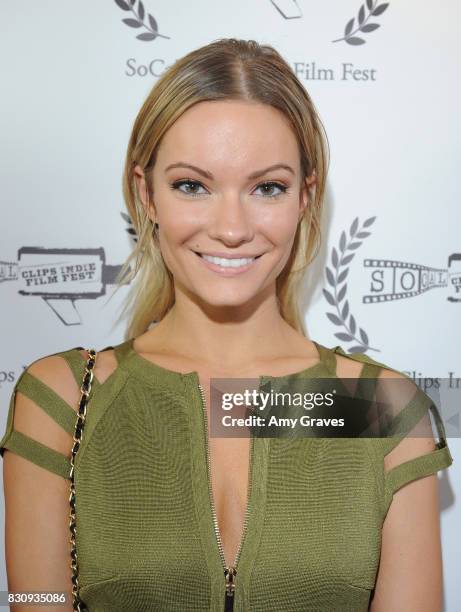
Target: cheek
{"x": 279, "y": 226}
{"x": 177, "y": 226}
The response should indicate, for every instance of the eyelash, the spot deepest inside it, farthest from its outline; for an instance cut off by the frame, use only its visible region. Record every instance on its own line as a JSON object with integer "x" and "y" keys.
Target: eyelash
{"x": 175, "y": 187}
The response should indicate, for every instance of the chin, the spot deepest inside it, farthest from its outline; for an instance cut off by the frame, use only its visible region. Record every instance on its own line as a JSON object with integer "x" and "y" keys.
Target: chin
{"x": 234, "y": 300}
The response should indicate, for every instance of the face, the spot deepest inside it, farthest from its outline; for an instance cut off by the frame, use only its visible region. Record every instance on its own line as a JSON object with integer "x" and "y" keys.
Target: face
{"x": 227, "y": 195}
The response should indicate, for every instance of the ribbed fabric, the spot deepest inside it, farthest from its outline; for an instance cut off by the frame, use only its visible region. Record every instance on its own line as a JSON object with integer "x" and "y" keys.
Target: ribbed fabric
{"x": 145, "y": 534}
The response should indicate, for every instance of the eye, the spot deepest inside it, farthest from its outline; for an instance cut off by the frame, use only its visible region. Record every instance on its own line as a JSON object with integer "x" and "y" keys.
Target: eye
{"x": 190, "y": 183}
{"x": 192, "y": 187}
{"x": 269, "y": 186}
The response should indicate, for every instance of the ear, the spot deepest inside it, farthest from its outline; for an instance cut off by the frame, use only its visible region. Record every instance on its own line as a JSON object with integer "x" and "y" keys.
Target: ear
{"x": 143, "y": 192}
{"x": 304, "y": 195}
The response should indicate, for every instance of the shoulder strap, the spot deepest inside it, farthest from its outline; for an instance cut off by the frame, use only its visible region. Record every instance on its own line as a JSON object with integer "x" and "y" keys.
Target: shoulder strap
{"x": 44, "y": 396}
{"x": 420, "y": 466}
{"x": 76, "y": 362}
{"x": 39, "y": 453}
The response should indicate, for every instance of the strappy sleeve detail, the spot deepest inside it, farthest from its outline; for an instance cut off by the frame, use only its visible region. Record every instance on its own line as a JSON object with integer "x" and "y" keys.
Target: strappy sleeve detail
{"x": 424, "y": 465}
{"x": 76, "y": 363}
{"x": 411, "y": 420}
{"x": 417, "y": 412}
{"x": 25, "y": 446}
{"x": 36, "y": 452}
{"x": 48, "y": 400}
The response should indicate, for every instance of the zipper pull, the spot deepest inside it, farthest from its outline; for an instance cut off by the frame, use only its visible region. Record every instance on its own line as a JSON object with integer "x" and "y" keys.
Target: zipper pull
{"x": 230, "y": 573}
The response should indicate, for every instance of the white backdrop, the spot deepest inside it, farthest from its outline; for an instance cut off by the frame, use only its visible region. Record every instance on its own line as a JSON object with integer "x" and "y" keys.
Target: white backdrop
{"x": 74, "y": 76}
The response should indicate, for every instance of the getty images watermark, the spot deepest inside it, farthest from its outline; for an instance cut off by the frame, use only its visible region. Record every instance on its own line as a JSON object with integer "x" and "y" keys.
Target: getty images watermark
{"x": 333, "y": 408}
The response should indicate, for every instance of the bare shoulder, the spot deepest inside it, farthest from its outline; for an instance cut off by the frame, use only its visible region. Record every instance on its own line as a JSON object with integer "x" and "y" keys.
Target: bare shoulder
{"x": 30, "y": 418}
{"x": 54, "y": 372}
{"x": 400, "y": 393}
{"x": 411, "y": 446}
{"x": 389, "y": 372}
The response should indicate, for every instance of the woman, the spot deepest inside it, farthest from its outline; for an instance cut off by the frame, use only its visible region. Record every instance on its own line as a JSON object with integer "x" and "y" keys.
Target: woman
{"x": 224, "y": 181}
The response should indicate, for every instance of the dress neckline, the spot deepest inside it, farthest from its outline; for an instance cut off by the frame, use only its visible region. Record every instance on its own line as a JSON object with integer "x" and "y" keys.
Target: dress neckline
{"x": 127, "y": 356}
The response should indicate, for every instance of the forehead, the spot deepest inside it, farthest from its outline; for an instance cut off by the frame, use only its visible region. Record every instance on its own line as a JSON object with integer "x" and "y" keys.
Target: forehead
{"x": 235, "y": 133}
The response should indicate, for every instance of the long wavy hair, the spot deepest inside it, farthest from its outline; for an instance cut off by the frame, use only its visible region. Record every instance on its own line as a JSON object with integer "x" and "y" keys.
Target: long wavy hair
{"x": 225, "y": 69}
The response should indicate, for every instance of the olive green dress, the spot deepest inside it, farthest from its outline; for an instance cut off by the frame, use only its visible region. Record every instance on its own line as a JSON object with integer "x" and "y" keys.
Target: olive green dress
{"x": 146, "y": 536}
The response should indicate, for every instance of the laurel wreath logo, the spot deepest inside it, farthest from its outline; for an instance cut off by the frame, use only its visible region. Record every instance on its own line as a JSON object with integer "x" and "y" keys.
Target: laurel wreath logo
{"x": 375, "y": 10}
{"x": 138, "y": 20}
{"x": 336, "y": 276}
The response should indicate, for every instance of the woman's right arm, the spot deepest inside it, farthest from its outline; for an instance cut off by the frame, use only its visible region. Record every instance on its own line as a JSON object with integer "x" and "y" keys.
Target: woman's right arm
{"x": 37, "y": 535}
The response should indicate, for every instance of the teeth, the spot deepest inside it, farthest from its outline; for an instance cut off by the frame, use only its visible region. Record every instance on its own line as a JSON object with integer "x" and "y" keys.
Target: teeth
{"x": 228, "y": 263}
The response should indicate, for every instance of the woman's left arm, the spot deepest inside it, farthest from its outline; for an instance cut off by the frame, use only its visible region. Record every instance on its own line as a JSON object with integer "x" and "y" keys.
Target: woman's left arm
{"x": 410, "y": 570}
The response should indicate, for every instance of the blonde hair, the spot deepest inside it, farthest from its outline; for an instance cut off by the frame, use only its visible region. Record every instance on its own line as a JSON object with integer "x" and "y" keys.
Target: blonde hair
{"x": 225, "y": 69}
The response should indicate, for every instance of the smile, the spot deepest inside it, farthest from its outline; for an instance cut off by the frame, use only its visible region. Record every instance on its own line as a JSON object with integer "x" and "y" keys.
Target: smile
{"x": 227, "y": 265}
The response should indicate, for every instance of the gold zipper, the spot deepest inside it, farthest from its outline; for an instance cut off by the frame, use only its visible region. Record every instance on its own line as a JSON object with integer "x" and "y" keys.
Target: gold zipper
{"x": 229, "y": 571}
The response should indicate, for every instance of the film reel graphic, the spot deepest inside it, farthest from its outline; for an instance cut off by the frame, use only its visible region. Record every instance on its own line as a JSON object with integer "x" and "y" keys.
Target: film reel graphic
{"x": 388, "y": 280}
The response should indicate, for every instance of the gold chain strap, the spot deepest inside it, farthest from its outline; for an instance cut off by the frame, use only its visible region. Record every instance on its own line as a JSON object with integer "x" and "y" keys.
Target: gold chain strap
{"x": 85, "y": 389}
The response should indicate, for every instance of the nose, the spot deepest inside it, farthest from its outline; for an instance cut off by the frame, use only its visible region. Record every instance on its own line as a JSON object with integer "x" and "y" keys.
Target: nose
{"x": 231, "y": 222}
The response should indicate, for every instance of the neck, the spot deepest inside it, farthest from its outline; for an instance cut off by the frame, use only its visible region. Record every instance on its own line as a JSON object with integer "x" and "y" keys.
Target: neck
{"x": 228, "y": 336}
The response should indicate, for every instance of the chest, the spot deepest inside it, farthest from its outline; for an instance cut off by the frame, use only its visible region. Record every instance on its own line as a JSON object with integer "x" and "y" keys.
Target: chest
{"x": 229, "y": 476}
{"x": 156, "y": 495}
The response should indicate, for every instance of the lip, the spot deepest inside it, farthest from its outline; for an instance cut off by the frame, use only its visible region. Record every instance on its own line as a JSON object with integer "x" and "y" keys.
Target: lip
{"x": 229, "y": 255}
{"x": 227, "y": 271}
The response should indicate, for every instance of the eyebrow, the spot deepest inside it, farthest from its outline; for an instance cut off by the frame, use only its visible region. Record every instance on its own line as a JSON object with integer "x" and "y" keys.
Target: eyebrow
{"x": 208, "y": 175}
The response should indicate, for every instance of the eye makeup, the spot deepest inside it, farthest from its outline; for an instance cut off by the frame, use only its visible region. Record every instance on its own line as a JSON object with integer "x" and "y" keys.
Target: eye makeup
{"x": 175, "y": 186}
